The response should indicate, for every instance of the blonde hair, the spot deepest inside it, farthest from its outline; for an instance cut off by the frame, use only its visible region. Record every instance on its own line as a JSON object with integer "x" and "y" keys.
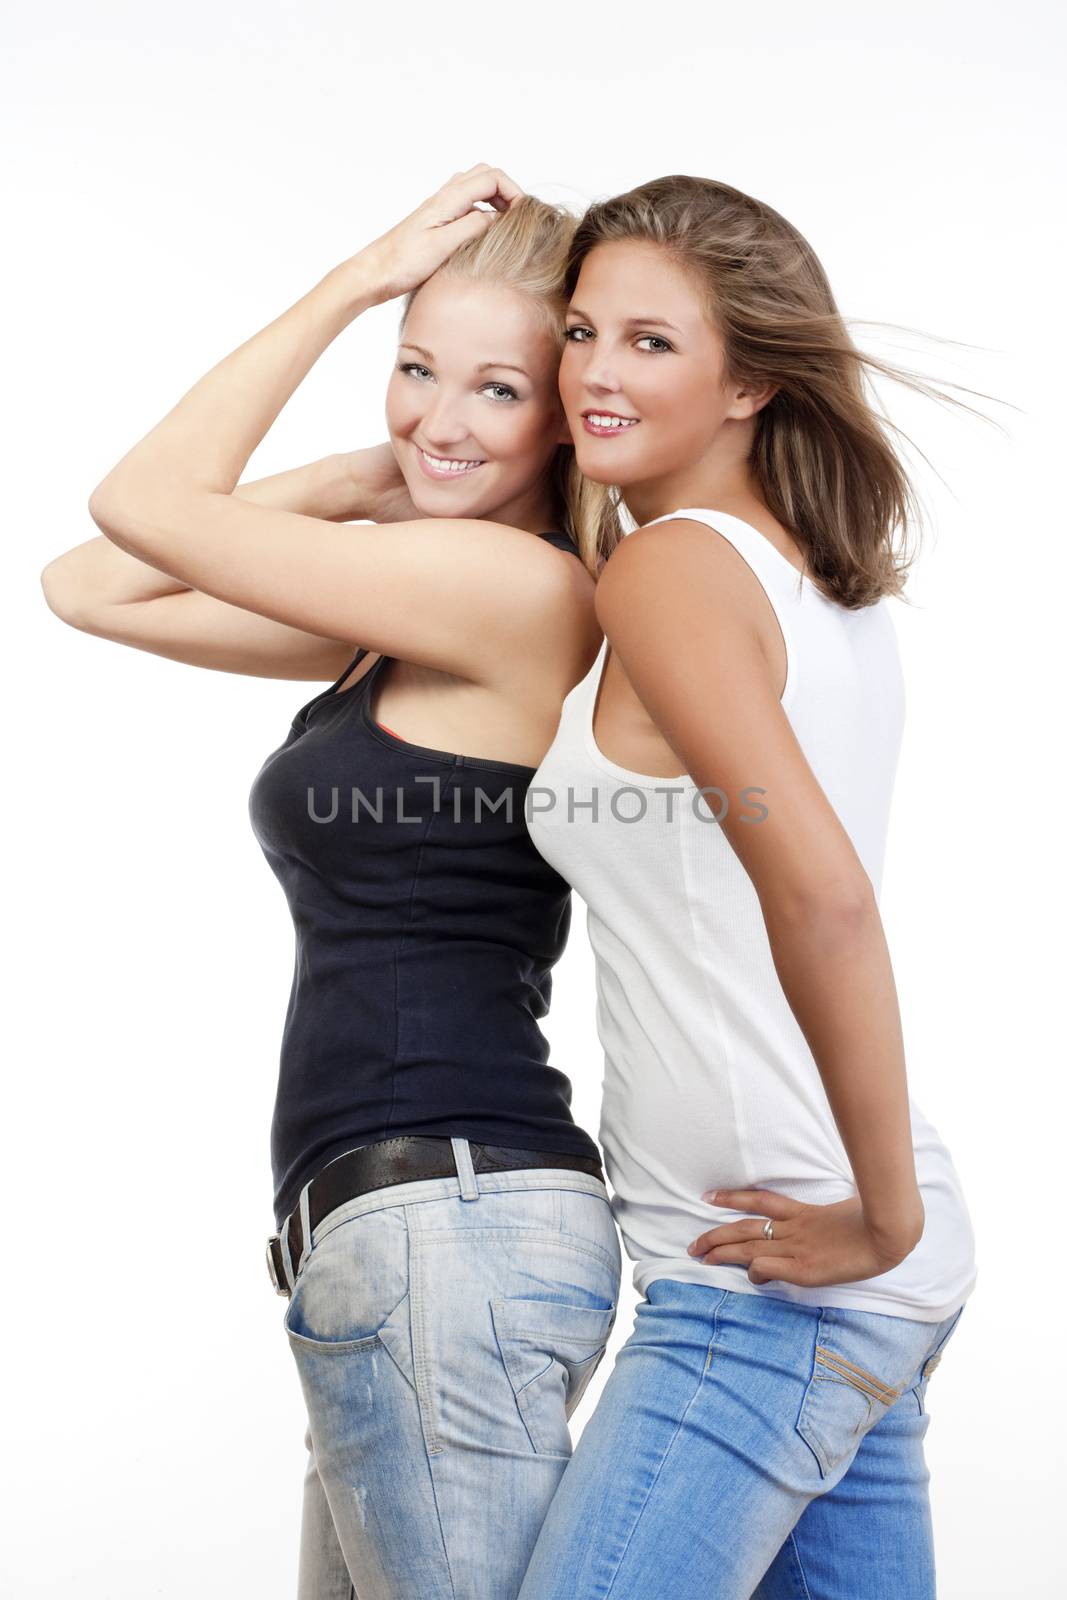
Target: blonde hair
{"x": 527, "y": 249}
{"x": 822, "y": 455}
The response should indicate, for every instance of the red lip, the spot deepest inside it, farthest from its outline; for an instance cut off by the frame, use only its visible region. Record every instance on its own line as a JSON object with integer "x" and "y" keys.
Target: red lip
{"x": 596, "y": 411}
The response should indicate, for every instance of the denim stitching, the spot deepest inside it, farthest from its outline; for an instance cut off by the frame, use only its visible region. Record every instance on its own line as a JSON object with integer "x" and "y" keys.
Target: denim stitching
{"x": 559, "y": 1180}
{"x": 858, "y": 1376}
{"x": 423, "y": 1388}
{"x": 666, "y": 1453}
{"x": 515, "y": 1231}
{"x": 651, "y": 1487}
{"x": 804, "y": 1590}
{"x": 935, "y": 1356}
{"x": 423, "y": 1384}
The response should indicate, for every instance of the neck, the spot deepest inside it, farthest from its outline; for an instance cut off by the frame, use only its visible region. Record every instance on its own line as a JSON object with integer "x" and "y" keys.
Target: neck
{"x": 720, "y": 478}
{"x": 533, "y": 511}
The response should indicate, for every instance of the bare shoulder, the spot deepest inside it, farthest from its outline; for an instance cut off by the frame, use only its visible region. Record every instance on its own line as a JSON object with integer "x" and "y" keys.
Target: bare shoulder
{"x": 680, "y": 560}
{"x": 525, "y": 570}
{"x": 555, "y": 634}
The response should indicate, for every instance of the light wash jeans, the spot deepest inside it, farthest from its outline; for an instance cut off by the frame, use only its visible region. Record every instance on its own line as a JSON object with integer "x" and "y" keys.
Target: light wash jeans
{"x": 746, "y": 1446}
{"x": 444, "y": 1330}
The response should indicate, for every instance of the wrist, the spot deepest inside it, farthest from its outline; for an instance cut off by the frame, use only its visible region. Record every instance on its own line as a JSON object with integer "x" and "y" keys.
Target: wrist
{"x": 358, "y": 284}
{"x": 358, "y": 491}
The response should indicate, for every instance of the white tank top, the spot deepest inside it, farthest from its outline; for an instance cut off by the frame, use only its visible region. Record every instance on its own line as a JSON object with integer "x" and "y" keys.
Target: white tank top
{"x": 708, "y": 1080}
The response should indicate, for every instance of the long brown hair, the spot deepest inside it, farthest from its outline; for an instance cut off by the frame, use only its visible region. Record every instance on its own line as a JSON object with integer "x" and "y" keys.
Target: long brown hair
{"x": 823, "y": 456}
{"x": 527, "y": 249}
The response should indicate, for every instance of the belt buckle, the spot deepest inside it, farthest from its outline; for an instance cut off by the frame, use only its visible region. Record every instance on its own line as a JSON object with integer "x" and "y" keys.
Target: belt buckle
{"x": 272, "y": 1266}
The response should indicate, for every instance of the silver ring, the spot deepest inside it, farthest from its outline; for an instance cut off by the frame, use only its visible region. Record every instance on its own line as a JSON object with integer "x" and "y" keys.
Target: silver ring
{"x": 768, "y": 1229}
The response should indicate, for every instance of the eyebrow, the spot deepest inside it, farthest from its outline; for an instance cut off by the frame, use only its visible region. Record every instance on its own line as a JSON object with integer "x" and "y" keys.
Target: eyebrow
{"x": 483, "y": 366}
{"x": 631, "y": 322}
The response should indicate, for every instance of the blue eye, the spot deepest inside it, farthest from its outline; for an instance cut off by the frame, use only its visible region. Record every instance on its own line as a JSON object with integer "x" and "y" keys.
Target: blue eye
{"x": 571, "y": 334}
{"x": 411, "y": 368}
{"x": 658, "y": 340}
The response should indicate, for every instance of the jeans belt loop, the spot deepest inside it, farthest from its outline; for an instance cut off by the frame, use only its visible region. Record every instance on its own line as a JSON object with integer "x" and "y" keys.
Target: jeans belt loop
{"x": 286, "y": 1257}
{"x": 273, "y": 1263}
{"x": 468, "y": 1181}
{"x": 305, "y": 1228}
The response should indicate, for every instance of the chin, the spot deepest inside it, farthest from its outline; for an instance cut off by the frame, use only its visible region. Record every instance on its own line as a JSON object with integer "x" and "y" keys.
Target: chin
{"x": 596, "y": 472}
{"x": 416, "y": 496}
{"x": 449, "y": 505}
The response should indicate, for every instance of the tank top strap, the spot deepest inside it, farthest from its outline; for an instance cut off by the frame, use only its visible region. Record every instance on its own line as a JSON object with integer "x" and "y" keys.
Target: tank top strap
{"x": 324, "y": 694}
{"x": 781, "y": 582}
{"x": 562, "y": 541}
{"x": 357, "y": 658}
{"x": 773, "y": 569}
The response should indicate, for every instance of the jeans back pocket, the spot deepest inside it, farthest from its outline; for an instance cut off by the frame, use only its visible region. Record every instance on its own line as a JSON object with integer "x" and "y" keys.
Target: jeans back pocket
{"x": 862, "y": 1363}
{"x": 550, "y": 1351}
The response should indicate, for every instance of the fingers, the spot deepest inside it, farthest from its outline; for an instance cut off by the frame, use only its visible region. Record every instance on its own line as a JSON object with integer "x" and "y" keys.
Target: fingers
{"x": 470, "y": 226}
{"x": 743, "y": 1243}
{"x": 765, "y": 1201}
{"x": 771, "y": 1269}
{"x": 734, "y": 1236}
{"x": 761, "y": 1267}
{"x": 487, "y": 183}
{"x": 506, "y": 188}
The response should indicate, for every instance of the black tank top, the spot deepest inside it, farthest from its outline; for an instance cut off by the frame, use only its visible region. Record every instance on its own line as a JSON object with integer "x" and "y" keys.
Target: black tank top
{"x": 427, "y": 925}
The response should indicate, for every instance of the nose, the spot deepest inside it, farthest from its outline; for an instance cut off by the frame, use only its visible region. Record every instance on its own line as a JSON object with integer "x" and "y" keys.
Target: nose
{"x": 600, "y": 375}
{"x": 443, "y": 423}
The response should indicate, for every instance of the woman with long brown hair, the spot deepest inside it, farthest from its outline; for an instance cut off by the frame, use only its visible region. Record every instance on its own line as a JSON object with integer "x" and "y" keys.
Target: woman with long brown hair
{"x": 719, "y": 791}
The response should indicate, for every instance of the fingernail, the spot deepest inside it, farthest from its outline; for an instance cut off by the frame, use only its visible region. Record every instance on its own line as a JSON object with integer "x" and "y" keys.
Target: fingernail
{"x": 709, "y": 1194}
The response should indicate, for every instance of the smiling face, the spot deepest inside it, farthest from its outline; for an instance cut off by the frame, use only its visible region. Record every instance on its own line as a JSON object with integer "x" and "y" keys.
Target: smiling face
{"x": 643, "y": 378}
{"x": 473, "y": 407}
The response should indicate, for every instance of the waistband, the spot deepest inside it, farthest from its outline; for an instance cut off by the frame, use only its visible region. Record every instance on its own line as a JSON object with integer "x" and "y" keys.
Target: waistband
{"x": 409, "y": 1170}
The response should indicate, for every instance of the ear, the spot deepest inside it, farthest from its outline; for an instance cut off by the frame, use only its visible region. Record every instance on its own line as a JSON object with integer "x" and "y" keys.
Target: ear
{"x": 747, "y": 402}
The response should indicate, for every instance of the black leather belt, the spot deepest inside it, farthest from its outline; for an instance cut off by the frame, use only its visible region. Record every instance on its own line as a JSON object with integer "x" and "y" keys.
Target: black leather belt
{"x": 402, "y": 1160}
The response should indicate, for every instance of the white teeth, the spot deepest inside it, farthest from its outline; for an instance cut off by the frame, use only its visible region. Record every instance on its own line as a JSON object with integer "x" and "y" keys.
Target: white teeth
{"x": 611, "y": 422}
{"x": 444, "y": 464}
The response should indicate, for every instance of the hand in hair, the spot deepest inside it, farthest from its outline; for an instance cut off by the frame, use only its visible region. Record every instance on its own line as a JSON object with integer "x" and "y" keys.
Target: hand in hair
{"x": 414, "y": 249}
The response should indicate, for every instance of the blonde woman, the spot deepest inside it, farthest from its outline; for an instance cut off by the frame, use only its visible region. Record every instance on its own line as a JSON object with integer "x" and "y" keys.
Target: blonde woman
{"x": 718, "y": 791}
{"x": 444, "y": 1231}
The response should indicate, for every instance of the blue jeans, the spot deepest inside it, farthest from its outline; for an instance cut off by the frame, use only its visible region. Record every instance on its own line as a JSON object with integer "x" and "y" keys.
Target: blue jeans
{"x": 444, "y": 1331}
{"x": 746, "y": 1446}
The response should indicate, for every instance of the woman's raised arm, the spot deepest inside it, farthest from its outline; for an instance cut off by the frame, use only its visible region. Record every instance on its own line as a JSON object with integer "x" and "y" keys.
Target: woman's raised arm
{"x": 105, "y": 591}
{"x": 455, "y": 594}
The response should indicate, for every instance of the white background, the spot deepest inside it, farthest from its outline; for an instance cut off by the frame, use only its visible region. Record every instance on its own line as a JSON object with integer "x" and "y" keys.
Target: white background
{"x": 185, "y": 173}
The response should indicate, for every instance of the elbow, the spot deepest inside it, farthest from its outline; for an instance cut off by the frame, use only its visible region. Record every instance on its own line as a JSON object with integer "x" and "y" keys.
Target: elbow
{"x": 829, "y": 910}
{"x": 136, "y": 512}
{"x": 123, "y": 517}
{"x": 119, "y": 503}
{"x": 103, "y": 507}
{"x": 59, "y": 598}
{"x": 71, "y": 595}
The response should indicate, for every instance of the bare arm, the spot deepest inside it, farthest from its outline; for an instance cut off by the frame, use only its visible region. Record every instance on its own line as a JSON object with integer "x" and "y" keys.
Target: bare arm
{"x": 463, "y": 596}
{"x": 681, "y": 611}
{"x": 105, "y": 591}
